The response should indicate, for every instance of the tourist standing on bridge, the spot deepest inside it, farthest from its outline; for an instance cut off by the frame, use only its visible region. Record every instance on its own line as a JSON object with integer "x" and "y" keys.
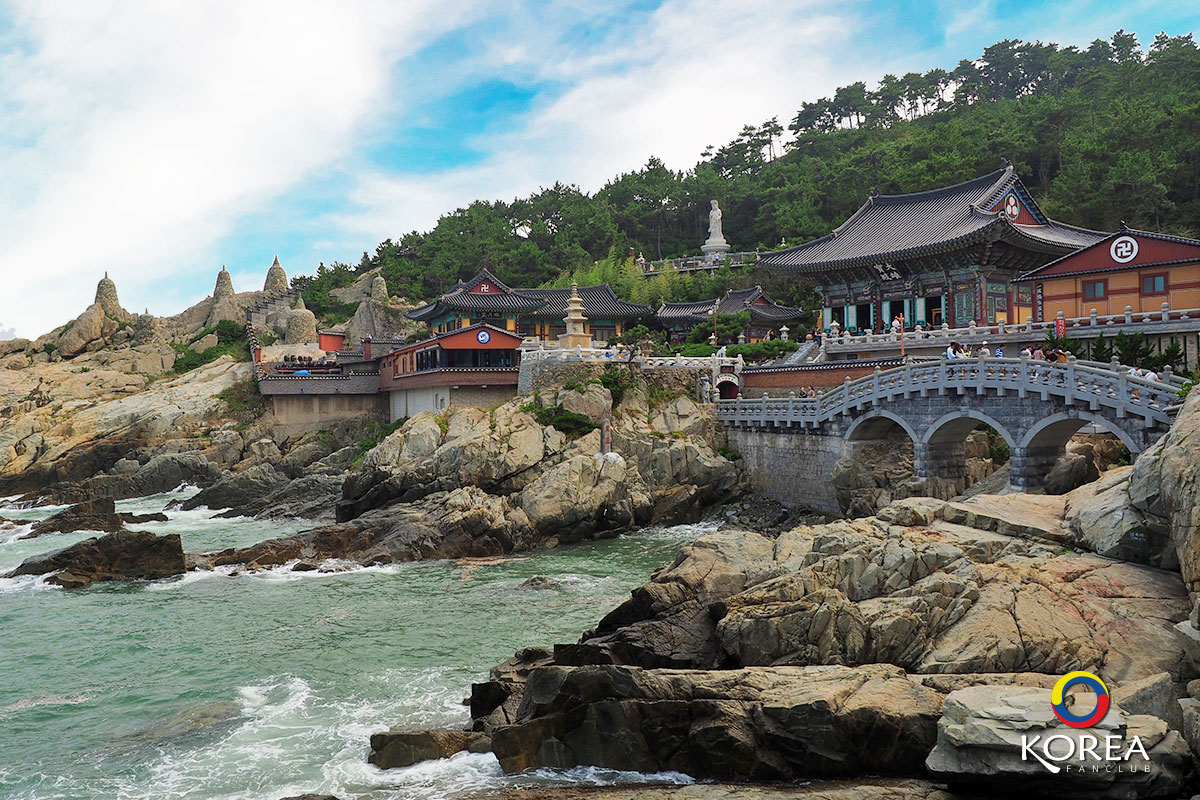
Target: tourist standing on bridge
{"x": 953, "y": 350}
{"x": 983, "y": 351}
{"x": 1026, "y": 352}
{"x": 1039, "y": 354}
{"x": 896, "y": 324}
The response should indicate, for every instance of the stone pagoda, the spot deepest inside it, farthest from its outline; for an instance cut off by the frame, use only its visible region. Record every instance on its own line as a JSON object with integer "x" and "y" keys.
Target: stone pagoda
{"x": 576, "y": 335}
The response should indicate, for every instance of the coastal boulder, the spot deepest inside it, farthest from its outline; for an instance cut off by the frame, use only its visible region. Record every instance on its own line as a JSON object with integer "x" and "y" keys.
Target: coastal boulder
{"x": 121, "y": 556}
{"x": 404, "y": 748}
{"x": 99, "y": 514}
{"x": 238, "y": 489}
{"x": 752, "y": 724}
{"x": 1103, "y": 518}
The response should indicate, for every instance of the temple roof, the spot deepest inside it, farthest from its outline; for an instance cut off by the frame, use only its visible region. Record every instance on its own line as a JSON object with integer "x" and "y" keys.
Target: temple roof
{"x": 894, "y": 227}
{"x": 733, "y": 301}
{"x": 1149, "y": 249}
{"x": 599, "y": 302}
{"x": 485, "y": 293}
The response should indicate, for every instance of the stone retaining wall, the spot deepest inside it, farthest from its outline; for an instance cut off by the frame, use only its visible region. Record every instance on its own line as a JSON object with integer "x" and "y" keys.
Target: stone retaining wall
{"x": 793, "y": 468}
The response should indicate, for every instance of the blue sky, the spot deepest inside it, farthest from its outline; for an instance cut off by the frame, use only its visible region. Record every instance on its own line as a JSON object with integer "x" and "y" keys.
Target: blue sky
{"x": 160, "y": 140}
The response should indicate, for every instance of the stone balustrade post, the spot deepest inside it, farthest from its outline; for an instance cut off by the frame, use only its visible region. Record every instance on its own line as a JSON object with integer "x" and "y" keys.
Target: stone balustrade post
{"x": 1166, "y": 312}
{"x": 1092, "y": 318}
{"x": 1128, "y": 315}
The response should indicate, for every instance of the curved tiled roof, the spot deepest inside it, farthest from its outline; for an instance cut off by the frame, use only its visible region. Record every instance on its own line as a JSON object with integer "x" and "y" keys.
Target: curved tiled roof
{"x": 889, "y": 227}
{"x": 598, "y": 301}
{"x": 733, "y": 301}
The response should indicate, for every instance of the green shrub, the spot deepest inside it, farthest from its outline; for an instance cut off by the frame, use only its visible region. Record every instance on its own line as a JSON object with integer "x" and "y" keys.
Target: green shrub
{"x": 569, "y": 422}
{"x": 729, "y": 454}
{"x": 244, "y": 402}
{"x": 618, "y": 381}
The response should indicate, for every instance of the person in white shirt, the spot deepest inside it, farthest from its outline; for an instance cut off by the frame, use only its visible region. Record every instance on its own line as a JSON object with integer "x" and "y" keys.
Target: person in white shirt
{"x": 950, "y": 351}
{"x": 896, "y": 324}
{"x": 983, "y": 350}
{"x": 1026, "y": 352}
{"x": 1150, "y": 375}
{"x": 1136, "y": 372}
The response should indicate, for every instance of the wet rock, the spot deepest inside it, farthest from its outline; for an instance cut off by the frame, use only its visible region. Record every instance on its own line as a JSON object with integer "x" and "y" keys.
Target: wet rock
{"x": 162, "y": 473}
{"x": 238, "y": 489}
{"x": 90, "y": 515}
{"x": 751, "y": 724}
{"x": 540, "y": 582}
{"x": 137, "y": 519}
{"x": 121, "y": 556}
{"x": 404, "y": 748}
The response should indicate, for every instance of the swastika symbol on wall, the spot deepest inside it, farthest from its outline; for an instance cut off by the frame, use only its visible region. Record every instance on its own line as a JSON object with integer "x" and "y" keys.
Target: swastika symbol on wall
{"x": 1012, "y": 206}
{"x": 1123, "y": 249}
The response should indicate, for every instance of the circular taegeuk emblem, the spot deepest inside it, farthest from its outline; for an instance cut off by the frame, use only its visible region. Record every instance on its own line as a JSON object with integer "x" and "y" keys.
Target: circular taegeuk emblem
{"x": 1012, "y": 206}
{"x": 1123, "y": 249}
{"x": 483, "y": 337}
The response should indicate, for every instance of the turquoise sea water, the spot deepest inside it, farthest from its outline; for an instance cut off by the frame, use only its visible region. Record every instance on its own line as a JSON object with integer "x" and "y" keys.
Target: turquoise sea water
{"x": 263, "y": 686}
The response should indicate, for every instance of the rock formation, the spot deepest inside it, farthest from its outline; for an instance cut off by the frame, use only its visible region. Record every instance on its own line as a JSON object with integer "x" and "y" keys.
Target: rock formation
{"x": 106, "y": 298}
{"x": 276, "y": 282}
{"x": 121, "y": 556}
{"x": 98, "y": 515}
{"x": 379, "y": 291}
{"x": 224, "y": 304}
{"x": 301, "y": 325}
{"x": 88, "y": 331}
{"x": 483, "y": 483}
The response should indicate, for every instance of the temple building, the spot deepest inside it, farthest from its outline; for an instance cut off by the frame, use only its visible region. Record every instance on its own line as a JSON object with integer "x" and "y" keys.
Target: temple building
{"x": 950, "y": 255}
{"x": 473, "y": 366}
{"x": 527, "y": 312}
{"x": 765, "y": 314}
{"x": 1138, "y": 269}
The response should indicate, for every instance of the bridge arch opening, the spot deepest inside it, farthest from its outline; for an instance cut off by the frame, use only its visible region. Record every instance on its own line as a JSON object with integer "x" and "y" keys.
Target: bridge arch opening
{"x": 941, "y": 455}
{"x": 1046, "y": 442}
{"x": 877, "y": 463}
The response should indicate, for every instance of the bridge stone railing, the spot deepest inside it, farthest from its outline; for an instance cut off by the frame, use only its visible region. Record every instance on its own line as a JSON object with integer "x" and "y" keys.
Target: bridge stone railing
{"x": 1095, "y": 387}
{"x": 1164, "y": 321}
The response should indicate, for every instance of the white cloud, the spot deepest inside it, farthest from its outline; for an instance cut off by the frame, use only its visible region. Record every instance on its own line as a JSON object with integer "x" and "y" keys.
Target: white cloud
{"x": 138, "y": 132}
{"x": 692, "y": 76}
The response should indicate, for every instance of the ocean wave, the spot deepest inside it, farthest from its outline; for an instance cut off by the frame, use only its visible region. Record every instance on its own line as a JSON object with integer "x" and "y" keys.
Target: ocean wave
{"x": 26, "y": 583}
{"x": 15, "y": 534}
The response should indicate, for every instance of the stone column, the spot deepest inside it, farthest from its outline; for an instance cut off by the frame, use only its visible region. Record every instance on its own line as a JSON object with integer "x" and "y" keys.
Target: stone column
{"x": 1028, "y": 466}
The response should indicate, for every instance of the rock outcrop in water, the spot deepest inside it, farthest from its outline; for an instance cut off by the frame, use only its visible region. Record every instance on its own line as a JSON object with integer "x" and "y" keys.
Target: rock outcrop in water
{"x": 121, "y": 556}
{"x": 91, "y": 515}
{"x": 752, "y": 657}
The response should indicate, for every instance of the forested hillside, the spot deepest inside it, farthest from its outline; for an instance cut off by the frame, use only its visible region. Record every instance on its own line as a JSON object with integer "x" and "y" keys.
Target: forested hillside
{"x": 1099, "y": 135}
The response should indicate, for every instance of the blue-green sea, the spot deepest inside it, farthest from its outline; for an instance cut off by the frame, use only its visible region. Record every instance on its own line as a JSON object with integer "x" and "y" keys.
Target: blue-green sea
{"x": 262, "y": 686}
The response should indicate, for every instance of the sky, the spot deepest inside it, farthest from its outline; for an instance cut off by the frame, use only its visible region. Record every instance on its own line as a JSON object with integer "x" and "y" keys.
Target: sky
{"x": 157, "y": 140}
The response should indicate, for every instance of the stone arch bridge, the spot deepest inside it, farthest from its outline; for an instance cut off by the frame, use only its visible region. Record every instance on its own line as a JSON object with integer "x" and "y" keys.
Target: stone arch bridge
{"x": 791, "y": 444}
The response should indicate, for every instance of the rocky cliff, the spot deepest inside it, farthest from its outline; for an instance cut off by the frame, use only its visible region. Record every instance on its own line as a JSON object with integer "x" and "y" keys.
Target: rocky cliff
{"x": 471, "y": 482}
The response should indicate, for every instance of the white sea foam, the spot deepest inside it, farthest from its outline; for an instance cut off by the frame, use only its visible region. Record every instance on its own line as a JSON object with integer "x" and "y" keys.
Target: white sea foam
{"x": 10, "y": 536}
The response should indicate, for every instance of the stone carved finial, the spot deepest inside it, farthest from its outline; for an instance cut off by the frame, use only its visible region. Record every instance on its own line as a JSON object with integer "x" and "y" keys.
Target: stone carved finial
{"x": 277, "y": 282}
{"x": 224, "y": 287}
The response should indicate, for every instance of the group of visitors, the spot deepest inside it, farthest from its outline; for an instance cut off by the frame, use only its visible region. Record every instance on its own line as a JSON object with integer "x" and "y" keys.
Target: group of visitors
{"x": 957, "y": 350}
{"x": 1035, "y": 353}
{"x": 1146, "y": 374}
